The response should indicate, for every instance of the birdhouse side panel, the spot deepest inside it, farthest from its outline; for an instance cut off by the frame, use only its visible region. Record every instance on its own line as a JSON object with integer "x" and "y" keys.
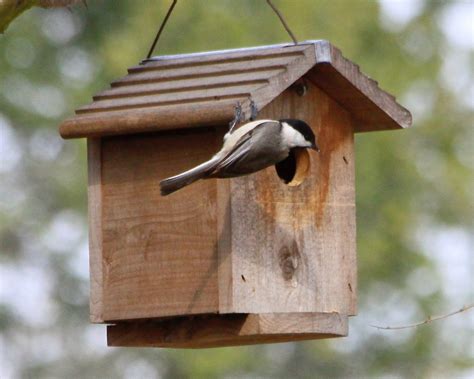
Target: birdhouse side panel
{"x": 159, "y": 254}
{"x": 94, "y": 196}
{"x": 293, "y": 248}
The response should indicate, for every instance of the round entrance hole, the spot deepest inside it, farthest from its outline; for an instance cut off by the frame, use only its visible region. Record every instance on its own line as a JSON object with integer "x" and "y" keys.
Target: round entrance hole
{"x": 294, "y": 169}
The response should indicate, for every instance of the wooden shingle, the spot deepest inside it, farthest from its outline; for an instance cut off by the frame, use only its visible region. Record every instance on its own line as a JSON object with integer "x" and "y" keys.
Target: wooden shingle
{"x": 191, "y": 90}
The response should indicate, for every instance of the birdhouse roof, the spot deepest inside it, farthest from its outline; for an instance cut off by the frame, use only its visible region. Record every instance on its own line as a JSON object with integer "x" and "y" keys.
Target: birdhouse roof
{"x": 201, "y": 89}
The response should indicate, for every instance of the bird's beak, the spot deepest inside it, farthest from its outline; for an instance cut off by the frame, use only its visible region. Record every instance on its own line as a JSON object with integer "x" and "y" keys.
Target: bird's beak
{"x": 315, "y": 147}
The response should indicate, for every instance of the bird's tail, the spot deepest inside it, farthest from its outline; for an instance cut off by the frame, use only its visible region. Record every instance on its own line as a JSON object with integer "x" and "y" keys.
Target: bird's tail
{"x": 177, "y": 182}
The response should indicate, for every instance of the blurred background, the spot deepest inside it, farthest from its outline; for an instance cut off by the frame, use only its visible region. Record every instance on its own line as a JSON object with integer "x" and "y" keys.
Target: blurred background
{"x": 415, "y": 188}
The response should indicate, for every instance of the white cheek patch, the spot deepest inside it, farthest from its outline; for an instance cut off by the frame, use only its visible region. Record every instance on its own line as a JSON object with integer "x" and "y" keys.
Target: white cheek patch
{"x": 292, "y": 137}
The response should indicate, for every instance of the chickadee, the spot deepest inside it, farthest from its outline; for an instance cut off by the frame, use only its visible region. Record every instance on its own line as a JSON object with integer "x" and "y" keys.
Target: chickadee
{"x": 248, "y": 149}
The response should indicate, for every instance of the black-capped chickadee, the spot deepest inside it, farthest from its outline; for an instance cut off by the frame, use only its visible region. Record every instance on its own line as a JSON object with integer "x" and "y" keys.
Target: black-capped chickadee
{"x": 248, "y": 149}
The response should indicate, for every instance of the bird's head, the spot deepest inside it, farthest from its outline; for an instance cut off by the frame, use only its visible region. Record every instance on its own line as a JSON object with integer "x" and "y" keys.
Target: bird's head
{"x": 299, "y": 134}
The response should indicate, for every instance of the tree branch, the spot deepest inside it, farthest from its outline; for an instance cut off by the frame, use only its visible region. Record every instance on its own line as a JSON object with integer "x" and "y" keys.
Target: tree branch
{"x": 57, "y": 3}
{"x": 11, "y": 9}
{"x": 427, "y": 321}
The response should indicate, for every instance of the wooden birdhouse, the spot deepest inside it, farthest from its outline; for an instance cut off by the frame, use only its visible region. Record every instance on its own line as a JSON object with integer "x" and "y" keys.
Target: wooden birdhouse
{"x": 226, "y": 261}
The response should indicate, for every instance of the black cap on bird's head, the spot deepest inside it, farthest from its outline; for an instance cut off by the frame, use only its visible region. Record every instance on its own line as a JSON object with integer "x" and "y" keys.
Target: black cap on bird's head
{"x": 304, "y": 129}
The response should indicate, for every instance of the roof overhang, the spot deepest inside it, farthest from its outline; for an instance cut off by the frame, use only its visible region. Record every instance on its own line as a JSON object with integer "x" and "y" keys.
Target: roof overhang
{"x": 202, "y": 89}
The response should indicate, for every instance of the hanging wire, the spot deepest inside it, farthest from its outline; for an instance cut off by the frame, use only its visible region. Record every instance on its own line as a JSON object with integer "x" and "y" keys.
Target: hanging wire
{"x": 168, "y": 14}
{"x": 161, "y": 29}
{"x": 285, "y": 25}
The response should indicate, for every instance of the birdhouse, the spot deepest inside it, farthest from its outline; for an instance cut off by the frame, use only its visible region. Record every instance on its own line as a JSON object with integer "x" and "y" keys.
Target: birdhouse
{"x": 267, "y": 257}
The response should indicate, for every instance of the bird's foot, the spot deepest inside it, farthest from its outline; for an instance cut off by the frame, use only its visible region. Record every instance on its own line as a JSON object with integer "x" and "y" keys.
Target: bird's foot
{"x": 253, "y": 110}
{"x": 238, "y": 116}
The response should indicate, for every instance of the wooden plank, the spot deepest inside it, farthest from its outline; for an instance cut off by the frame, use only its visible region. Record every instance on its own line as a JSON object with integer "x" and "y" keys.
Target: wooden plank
{"x": 215, "y": 69}
{"x": 222, "y": 56}
{"x": 227, "y": 330}
{"x": 151, "y": 119}
{"x": 172, "y": 98}
{"x": 160, "y": 253}
{"x": 211, "y": 112}
{"x": 164, "y": 105}
{"x": 224, "y": 245}
{"x": 293, "y": 248}
{"x": 94, "y": 201}
{"x": 373, "y": 108}
{"x": 278, "y": 83}
{"x": 187, "y": 84}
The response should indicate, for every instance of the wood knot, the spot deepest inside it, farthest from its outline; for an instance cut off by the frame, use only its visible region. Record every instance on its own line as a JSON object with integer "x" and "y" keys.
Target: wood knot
{"x": 288, "y": 260}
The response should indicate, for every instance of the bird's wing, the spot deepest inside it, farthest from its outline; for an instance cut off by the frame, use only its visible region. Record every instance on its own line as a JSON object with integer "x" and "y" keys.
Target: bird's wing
{"x": 231, "y": 139}
{"x": 243, "y": 152}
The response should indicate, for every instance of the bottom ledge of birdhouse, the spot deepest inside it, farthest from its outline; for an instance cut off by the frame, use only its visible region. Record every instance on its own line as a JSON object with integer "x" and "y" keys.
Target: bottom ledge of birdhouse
{"x": 204, "y": 331}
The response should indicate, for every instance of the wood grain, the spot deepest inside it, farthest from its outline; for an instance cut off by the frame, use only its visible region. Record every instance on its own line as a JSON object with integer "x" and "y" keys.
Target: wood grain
{"x": 372, "y": 108}
{"x": 160, "y": 253}
{"x": 222, "y": 56}
{"x": 194, "y": 95}
{"x": 94, "y": 201}
{"x": 246, "y": 245}
{"x": 186, "y": 85}
{"x": 224, "y": 247}
{"x": 227, "y": 330}
{"x": 293, "y": 248}
{"x": 254, "y": 260}
{"x": 203, "y": 89}
{"x": 210, "y": 70}
{"x": 150, "y": 119}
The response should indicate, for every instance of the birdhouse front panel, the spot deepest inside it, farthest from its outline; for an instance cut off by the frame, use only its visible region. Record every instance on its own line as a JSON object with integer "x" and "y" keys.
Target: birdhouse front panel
{"x": 293, "y": 247}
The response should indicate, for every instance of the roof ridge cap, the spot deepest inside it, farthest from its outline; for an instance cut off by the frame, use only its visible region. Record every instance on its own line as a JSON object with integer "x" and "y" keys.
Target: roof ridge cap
{"x": 226, "y": 51}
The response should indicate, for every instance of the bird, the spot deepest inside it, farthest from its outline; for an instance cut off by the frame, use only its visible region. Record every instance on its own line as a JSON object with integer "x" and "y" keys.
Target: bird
{"x": 252, "y": 147}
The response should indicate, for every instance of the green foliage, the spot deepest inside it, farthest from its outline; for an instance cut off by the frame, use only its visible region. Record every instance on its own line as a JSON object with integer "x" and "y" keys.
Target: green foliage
{"x": 414, "y": 189}
{"x": 11, "y": 9}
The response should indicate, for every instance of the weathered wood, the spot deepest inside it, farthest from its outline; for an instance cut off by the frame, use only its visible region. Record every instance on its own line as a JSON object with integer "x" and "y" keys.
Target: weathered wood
{"x": 372, "y": 108}
{"x": 210, "y": 70}
{"x": 224, "y": 247}
{"x": 195, "y": 95}
{"x": 94, "y": 201}
{"x": 220, "y": 56}
{"x": 160, "y": 253}
{"x": 293, "y": 248}
{"x": 251, "y": 259}
{"x": 302, "y": 163}
{"x": 186, "y": 85}
{"x": 150, "y": 119}
{"x": 166, "y": 93}
{"x": 246, "y": 245}
{"x": 227, "y": 330}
